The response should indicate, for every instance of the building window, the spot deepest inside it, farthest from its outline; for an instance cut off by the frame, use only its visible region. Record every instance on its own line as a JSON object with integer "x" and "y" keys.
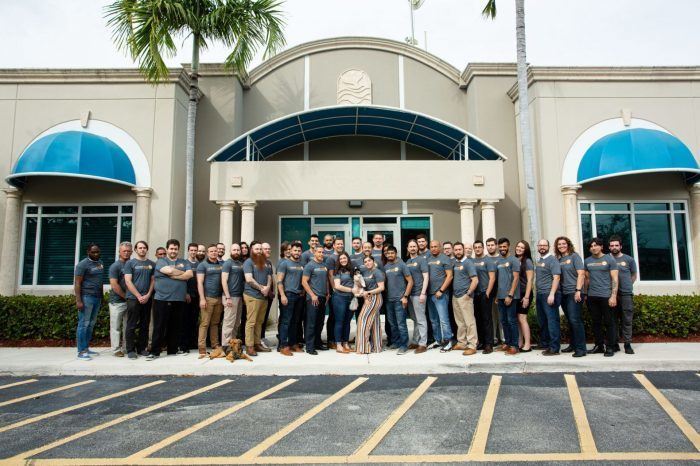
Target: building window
{"x": 654, "y": 233}
{"x": 55, "y": 237}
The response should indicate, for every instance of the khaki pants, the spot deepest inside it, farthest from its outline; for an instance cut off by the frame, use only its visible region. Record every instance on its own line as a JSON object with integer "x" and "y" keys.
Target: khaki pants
{"x": 209, "y": 319}
{"x": 255, "y": 315}
{"x": 466, "y": 324}
{"x": 232, "y": 320}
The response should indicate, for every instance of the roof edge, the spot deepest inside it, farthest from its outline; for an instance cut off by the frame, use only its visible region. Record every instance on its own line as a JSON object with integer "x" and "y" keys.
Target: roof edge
{"x": 474, "y": 70}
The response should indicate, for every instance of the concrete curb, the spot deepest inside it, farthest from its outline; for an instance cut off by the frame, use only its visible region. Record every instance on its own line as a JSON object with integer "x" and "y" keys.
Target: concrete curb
{"x": 62, "y": 361}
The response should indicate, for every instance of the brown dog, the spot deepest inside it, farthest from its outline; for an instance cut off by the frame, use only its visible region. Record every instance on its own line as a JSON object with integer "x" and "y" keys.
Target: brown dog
{"x": 236, "y": 351}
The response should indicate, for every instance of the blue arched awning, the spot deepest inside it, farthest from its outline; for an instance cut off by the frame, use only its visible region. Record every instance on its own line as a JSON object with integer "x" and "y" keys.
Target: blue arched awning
{"x": 637, "y": 150}
{"x": 76, "y": 154}
{"x": 439, "y": 137}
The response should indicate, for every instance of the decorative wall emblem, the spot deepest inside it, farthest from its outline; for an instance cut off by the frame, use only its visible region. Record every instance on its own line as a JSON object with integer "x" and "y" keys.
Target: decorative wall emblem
{"x": 354, "y": 88}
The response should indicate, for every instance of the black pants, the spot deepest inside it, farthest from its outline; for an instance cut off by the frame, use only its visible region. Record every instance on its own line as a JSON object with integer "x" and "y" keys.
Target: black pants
{"x": 451, "y": 313}
{"x": 484, "y": 318}
{"x": 166, "y": 325}
{"x": 301, "y": 323}
{"x": 601, "y": 314}
{"x": 138, "y": 316}
{"x": 241, "y": 328}
{"x": 330, "y": 325}
{"x": 189, "y": 325}
{"x": 382, "y": 311}
{"x": 267, "y": 314}
{"x": 315, "y": 316}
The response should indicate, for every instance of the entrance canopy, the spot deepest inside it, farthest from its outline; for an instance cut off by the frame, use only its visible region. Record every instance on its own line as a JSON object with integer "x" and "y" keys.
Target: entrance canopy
{"x": 431, "y": 134}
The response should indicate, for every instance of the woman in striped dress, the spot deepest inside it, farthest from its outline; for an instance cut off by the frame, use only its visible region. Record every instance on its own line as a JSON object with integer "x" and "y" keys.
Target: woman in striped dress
{"x": 369, "y": 331}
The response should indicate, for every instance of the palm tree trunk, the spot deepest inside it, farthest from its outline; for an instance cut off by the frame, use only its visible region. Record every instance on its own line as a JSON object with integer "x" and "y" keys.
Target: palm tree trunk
{"x": 525, "y": 135}
{"x": 189, "y": 151}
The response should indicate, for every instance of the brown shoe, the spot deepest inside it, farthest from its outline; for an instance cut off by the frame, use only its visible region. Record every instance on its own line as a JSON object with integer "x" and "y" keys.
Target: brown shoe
{"x": 250, "y": 351}
{"x": 502, "y": 347}
{"x": 286, "y": 351}
{"x": 469, "y": 352}
{"x": 412, "y": 346}
{"x": 296, "y": 349}
{"x": 421, "y": 349}
{"x": 260, "y": 348}
{"x": 459, "y": 347}
{"x": 488, "y": 350}
{"x": 512, "y": 350}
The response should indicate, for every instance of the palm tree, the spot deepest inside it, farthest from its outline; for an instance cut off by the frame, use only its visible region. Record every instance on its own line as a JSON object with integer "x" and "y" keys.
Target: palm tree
{"x": 147, "y": 29}
{"x": 489, "y": 11}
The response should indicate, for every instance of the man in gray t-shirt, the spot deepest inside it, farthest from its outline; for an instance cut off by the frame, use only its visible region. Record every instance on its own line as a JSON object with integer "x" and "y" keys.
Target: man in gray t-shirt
{"x": 508, "y": 283}
{"x": 439, "y": 281}
{"x": 547, "y": 278}
{"x": 399, "y": 284}
{"x": 315, "y": 282}
{"x": 464, "y": 285}
{"x": 210, "y": 304}
{"x": 232, "y": 281}
{"x": 627, "y": 274}
{"x": 117, "y": 301}
{"x": 602, "y": 285}
{"x": 88, "y": 297}
{"x": 140, "y": 283}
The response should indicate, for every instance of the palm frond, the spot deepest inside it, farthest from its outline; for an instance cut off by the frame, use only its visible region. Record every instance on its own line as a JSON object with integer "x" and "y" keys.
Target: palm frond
{"x": 489, "y": 10}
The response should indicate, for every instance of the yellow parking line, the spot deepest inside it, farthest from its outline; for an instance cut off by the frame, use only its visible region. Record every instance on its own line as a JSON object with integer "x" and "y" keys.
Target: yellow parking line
{"x": 671, "y": 410}
{"x": 200, "y": 425}
{"x": 371, "y": 443}
{"x": 41, "y": 417}
{"x": 126, "y": 417}
{"x": 276, "y": 437}
{"x": 481, "y": 434}
{"x": 22, "y": 382}
{"x": 585, "y": 435}
{"x": 46, "y": 392}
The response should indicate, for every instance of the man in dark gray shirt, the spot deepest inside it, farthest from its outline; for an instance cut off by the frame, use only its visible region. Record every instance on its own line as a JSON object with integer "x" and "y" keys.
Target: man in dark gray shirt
{"x": 418, "y": 267}
{"x": 493, "y": 254}
{"x": 399, "y": 284}
{"x": 508, "y": 281}
{"x": 88, "y": 297}
{"x": 138, "y": 275}
{"x": 315, "y": 283}
{"x": 189, "y": 331}
{"x": 547, "y": 277}
{"x": 307, "y": 255}
{"x": 602, "y": 284}
{"x": 210, "y": 290}
{"x": 627, "y": 274}
{"x": 356, "y": 256}
{"x": 483, "y": 299}
{"x": 463, "y": 288}
{"x": 439, "y": 280}
{"x": 117, "y": 300}
{"x": 289, "y": 273}
{"x": 232, "y": 281}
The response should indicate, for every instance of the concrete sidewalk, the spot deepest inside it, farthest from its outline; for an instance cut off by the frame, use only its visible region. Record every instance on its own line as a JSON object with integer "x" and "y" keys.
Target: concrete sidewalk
{"x": 62, "y": 361}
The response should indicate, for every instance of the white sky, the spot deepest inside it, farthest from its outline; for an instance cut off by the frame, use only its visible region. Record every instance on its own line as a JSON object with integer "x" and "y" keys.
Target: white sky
{"x": 73, "y": 34}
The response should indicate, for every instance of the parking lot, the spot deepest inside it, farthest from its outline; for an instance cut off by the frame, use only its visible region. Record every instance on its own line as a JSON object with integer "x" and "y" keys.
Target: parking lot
{"x": 554, "y": 417}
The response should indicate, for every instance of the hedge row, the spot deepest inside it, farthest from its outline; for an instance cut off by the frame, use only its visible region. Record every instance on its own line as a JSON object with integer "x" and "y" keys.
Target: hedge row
{"x": 55, "y": 317}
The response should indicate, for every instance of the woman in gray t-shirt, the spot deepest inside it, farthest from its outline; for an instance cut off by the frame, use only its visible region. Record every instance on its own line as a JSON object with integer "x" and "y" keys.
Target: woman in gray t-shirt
{"x": 369, "y": 330}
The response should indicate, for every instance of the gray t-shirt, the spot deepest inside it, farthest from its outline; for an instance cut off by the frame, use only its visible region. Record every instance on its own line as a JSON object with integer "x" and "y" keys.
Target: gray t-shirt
{"x": 437, "y": 271}
{"x": 570, "y": 265}
{"x": 626, "y": 266}
{"x": 506, "y": 266}
{"x": 141, "y": 272}
{"x": 291, "y": 272}
{"x": 373, "y": 278}
{"x": 192, "y": 282}
{"x": 318, "y": 277}
{"x": 260, "y": 276}
{"x": 236, "y": 279}
{"x": 357, "y": 259}
{"x": 600, "y": 282}
{"x": 522, "y": 287}
{"x": 91, "y": 271}
{"x": 116, "y": 271}
{"x": 212, "y": 278}
{"x": 464, "y": 270}
{"x": 396, "y": 274}
{"x": 484, "y": 265}
{"x": 331, "y": 261}
{"x": 417, "y": 266}
{"x": 346, "y": 279}
{"x": 547, "y": 267}
{"x": 306, "y": 256}
{"x": 169, "y": 289}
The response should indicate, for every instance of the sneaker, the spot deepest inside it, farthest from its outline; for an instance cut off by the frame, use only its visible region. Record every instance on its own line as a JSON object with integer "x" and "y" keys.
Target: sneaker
{"x": 118, "y": 354}
{"x": 434, "y": 345}
{"x": 93, "y": 353}
{"x": 132, "y": 355}
{"x": 151, "y": 357}
{"x": 144, "y": 353}
{"x": 393, "y": 347}
{"x": 84, "y": 356}
{"x": 447, "y": 347}
{"x": 180, "y": 352}
{"x": 263, "y": 343}
{"x": 402, "y": 351}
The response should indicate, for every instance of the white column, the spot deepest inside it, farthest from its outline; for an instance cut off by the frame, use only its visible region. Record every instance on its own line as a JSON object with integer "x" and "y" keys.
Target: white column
{"x": 143, "y": 213}
{"x": 695, "y": 222}
{"x": 570, "y": 199}
{"x": 226, "y": 222}
{"x": 10, "y": 241}
{"x": 488, "y": 219}
{"x": 247, "y": 220}
{"x": 466, "y": 217}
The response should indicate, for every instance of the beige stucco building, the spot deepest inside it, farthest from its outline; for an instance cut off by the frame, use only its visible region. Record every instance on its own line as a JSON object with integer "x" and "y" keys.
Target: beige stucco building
{"x": 349, "y": 136}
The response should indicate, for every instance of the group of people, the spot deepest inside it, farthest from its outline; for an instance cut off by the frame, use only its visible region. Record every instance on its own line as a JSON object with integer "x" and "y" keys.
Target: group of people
{"x": 465, "y": 297}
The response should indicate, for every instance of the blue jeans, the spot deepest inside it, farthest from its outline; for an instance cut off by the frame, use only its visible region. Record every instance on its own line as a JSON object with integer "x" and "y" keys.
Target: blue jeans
{"x": 572, "y": 311}
{"x": 289, "y": 318}
{"x": 343, "y": 315}
{"x": 315, "y": 316}
{"x": 86, "y": 321}
{"x": 508, "y": 317}
{"x": 548, "y": 318}
{"x": 396, "y": 315}
{"x": 440, "y": 317}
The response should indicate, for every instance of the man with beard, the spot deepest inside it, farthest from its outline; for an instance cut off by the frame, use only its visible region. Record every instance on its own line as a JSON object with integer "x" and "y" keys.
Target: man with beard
{"x": 221, "y": 251}
{"x": 267, "y": 250}
{"x": 315, "y": 283}
{"x": 331, "y": 263}
{"x": 201, "y": 252}
{"x": 399, "y": 283}
{"x": 627, "y": 275}
{"x": 422, "y": 242}
{"x": 439, "y": 280}
{"x": 88, "y": 297}
{"x": 289, "y": 273}
{"x": 210, "y": 306}
{"x": 493, "y": 255}
{"x": 232, "y": 281}
{"x": 356, "y": 256}
{"x": 378, "y": 249}
{"x": 464, "y": 285}
{"x": 328, "y": 245}
{"x": 483, "y": 299}
{"x": 307, "y": 255}
{"x": 258, "y": 281}
{"x": 138, "y": 276}
{"x": 190, "y": 316}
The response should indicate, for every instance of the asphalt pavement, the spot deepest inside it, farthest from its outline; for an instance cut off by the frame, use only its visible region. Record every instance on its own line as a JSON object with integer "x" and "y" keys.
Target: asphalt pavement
{"x": 548, "y": 418}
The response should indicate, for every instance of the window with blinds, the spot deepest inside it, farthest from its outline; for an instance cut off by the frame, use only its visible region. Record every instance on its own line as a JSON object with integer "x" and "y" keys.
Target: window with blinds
{"x": 55, "y": 238}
